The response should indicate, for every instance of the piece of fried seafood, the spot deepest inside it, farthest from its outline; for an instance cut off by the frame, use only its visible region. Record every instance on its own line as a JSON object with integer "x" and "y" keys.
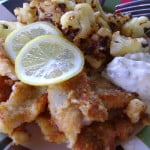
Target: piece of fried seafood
{"x": 20, "y": 135}
{"x": 7, "y": 74}
{"x": 103, "y": 136}
{"x": 23, "y": 106}
{"x": 82, "y": 100}
{"x": 49, "y": 129}
{"x": 6, "y": 66}
{"x": 65, "y": 110}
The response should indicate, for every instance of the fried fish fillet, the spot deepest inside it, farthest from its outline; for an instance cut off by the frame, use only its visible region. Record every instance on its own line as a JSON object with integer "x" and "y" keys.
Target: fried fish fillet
{"x": 103, "y": 136}
{"x": 112, "y": 96}
{"x": 69, "y": 119}
{"x": 80, "y": 101}
{"x": 6, "y": 67}
{"x": 73, "y": 104}
{"x": 49, "y": 129}
{"x": 24, "y": 105}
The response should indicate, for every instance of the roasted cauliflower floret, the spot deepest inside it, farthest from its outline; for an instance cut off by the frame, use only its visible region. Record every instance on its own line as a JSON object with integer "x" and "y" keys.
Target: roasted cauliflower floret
{"x": 116, "y": 21}
{"x": 104, "y": 32}
{"x": 121, "y": 45}
{"x": 26, "y": 14}
{"x": 49, "y": 10}
{"x": 81, "y": 18}
{"x": 94, "y": 62}
{"x": 136, "y": 26}
{"x": 134, "y": 109}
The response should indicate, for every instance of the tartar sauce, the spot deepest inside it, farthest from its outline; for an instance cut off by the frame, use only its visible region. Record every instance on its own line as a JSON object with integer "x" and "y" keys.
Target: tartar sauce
{"x": 132, "y": 73}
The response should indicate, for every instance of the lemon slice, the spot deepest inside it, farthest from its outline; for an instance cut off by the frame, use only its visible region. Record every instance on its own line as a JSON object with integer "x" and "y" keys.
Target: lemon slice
{"x": 48, "y": 59}
{"x": 18, "y": 38}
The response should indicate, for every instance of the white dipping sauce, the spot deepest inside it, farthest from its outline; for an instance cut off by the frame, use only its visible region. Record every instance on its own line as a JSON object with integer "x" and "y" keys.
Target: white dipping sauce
{"x": 132, "y": 73}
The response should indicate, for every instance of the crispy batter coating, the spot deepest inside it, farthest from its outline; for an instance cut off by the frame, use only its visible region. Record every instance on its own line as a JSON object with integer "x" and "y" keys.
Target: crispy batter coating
{"x": 24, "y": 105}
{"x": 5, "y": 88}
{"x": 69, "y": 119}
{"x": 20, "y": 135}
{"x": 7, "y": 74}
{"x": 94, "y": 138}
{"x": 114, "y": 98}
{"x": 111, "y": 96}
{"x": 6, "y": 67}
{"x": 50, "y": 130}
{"x": 82, "y": 100}
{"x": 102, "y": 136}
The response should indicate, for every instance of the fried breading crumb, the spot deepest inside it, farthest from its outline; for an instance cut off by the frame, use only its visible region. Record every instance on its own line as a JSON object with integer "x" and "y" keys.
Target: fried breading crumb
{"x": 134, "y": 110}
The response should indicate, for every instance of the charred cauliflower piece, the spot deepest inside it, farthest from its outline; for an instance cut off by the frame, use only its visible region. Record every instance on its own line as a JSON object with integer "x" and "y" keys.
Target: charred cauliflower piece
{"x": 116, "y": 21}
{"x": 134, "y": 109}
{"x": 121, "y": 45}
{"x": 26, "y": 14}
{"x": 136, "y": 26}
{"x": 81, "y": 18}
